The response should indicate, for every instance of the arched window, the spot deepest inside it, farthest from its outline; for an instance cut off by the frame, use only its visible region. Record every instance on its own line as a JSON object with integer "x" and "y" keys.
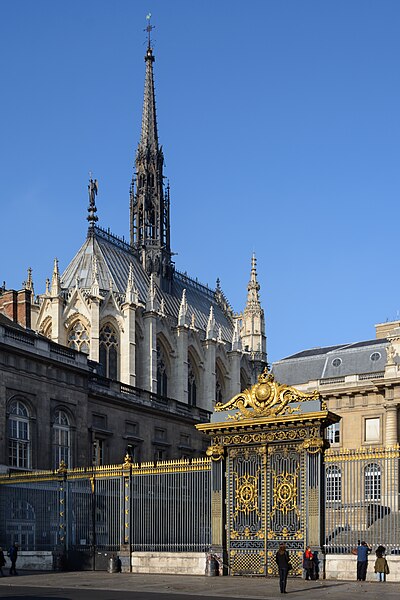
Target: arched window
{"x": 61, "y": 439}
{"x": 162, "y": 377}
{"x": 333, "y": 484}
{"x": 372, "y": 482}
{"x": 218, "y": 393}
{"x": 78, "y": 337}
{"x": 192, "y": 386}
{"x": 219, "y": 386}
{"x": 19, "y": 443}
{"x": 46, "y": 329}
{"x": 109, "y": 351}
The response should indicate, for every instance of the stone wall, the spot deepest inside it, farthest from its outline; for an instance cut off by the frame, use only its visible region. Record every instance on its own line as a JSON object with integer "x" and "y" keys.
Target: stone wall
{"x": 32, "y": 561}
{"x": 344, "y": 566}
{"x": 174, "y": 563}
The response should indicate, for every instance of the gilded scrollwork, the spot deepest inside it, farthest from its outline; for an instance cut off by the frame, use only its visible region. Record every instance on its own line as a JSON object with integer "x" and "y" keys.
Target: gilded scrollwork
{"x": 215, "y": 452}
{"x": 284, "y": 492}
{"x": 313, "y": 445}
{"x": 267, "y": 398}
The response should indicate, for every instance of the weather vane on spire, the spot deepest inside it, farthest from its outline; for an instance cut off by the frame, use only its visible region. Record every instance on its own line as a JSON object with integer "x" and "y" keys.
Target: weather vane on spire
{"x": 149, "y": 28}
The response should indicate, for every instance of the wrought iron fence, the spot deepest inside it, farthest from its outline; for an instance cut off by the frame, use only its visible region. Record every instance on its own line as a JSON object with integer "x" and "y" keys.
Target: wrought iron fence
{"x": 161, "y": 507}
{"x": 362, "y": 499}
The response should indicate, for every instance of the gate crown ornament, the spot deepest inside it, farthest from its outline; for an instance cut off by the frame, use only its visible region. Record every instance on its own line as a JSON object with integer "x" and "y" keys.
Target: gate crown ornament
{"x": 267, "y": 398}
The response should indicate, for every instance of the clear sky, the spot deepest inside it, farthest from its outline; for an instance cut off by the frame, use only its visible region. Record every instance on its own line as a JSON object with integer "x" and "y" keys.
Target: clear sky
{"x": 280, "y": 125}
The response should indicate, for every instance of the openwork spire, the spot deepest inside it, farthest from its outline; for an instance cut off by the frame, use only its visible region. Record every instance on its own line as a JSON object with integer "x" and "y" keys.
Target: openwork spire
{"x": 149, "y": 200}
{"x": 149, "y": 135}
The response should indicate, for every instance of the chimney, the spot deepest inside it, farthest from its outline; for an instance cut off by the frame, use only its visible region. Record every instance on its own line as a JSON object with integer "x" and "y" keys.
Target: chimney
{"x": 17, "y": 306}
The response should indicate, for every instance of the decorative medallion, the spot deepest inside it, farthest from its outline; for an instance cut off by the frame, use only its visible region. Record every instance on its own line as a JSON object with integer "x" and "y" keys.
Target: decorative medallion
{"x": 265, "y": 399}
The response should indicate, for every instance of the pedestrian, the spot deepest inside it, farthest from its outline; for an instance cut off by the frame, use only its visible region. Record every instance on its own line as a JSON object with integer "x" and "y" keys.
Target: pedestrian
{"x": 362, "y": 560}
{"x": 2, "y": 561}
{"x": 308, "y": 563}
{"x": 284, "y": 566}
{"x": 13, "y": 554}
{"x": 381, "y": 565}
{"x": 315, "y": 565}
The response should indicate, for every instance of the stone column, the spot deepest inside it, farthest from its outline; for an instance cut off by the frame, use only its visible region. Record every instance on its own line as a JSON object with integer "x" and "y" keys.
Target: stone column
{"x": 182, "y": 364}
{"x": 150, "y": 350}
{"x": 128, "y": 345}
{"x": 391, "y": 435}
{"x": 94, "y": 329}
{"x": 218, "y": 508}
{"x": 209, "y": 374}
{"x": 234, "y": 361}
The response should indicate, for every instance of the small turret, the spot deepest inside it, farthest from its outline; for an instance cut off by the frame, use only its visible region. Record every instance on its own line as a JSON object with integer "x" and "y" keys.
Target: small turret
{"x": 253, "y": 323}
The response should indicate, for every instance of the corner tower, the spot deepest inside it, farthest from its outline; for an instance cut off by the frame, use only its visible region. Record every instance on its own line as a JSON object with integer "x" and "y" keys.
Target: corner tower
{"x": 253, "y": 322}
{"x": 149, "y": 200}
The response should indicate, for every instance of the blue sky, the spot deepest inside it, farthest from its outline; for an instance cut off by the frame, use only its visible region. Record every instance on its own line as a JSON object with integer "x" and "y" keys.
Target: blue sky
{"x": 281, "y": 132}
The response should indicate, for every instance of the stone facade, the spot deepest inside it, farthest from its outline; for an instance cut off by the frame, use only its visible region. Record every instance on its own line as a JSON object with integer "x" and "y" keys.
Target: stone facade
{"x": 102, "y": 420}
{"x": 359, "y": 381}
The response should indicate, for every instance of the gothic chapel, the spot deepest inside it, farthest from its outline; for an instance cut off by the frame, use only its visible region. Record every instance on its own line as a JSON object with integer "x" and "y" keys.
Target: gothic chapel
{"x": 148, "y": 325}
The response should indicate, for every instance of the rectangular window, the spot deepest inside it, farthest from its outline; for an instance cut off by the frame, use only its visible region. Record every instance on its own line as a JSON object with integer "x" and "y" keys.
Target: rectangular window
{"x": 160, "y": 434}
{"x": 372, "y": 430}
{"x": 333, "y": 433}
{"x": 99, "y": 421}
{"x": 98, "y": 452}
{"x": 185, "y": 440}
{"x": 131, "y": 428}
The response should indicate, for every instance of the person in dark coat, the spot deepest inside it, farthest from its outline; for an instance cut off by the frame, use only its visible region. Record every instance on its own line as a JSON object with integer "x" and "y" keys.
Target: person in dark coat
{"x": 2, "y": 561}
{"x": 13, "y": 554}
{"x": 282, "y": 560}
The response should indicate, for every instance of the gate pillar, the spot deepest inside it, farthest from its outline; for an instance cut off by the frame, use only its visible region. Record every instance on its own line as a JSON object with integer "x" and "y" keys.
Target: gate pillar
{"x": 267, "y": 454}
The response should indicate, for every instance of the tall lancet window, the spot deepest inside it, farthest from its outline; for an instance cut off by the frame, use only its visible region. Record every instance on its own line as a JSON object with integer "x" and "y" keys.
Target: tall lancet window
{"x": 219, "y": 386}
{"x": 61, "y": 439}
{"x": 192, "y": 385}
{"x": 162, "y": 377}
{"x": 78, "y": 337}
{"x": 109, "y": 346}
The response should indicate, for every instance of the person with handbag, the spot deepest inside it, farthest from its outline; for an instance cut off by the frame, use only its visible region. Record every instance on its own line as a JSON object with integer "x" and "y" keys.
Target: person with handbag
{"x": 284, "y": 566}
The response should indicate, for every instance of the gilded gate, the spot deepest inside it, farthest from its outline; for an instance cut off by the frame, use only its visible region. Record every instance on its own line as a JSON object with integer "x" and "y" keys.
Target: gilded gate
{"x": 267, "y": 450}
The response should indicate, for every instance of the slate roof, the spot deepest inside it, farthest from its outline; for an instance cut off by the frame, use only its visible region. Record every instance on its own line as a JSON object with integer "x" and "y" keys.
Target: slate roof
{"x": 114, "y": 257}
{"x": 317, "y": 363}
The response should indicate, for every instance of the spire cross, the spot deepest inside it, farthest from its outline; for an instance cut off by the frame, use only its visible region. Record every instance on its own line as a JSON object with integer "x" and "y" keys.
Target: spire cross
{"x": 149, "y": 29}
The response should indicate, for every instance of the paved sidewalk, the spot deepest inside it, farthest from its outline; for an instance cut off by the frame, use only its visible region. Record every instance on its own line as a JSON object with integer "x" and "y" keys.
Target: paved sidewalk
{"x": 190, "y": 585}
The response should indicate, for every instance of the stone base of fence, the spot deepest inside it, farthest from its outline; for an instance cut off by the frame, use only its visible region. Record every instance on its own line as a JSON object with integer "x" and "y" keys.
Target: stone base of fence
{"x": 36, "y": 560}
{"x": 344, "y": 566}
{"x": 175, "y": 563}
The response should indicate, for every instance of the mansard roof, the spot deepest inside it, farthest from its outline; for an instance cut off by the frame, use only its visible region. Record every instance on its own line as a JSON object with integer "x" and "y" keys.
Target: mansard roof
{"x": 113, "y": 259}
{"x": 357, "y": 358}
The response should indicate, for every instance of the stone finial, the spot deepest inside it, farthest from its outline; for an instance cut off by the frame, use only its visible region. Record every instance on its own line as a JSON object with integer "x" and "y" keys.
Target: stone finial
{"x": 131, "y": 294}
{"x": 28, "y": 284}
{"x": 151, "y": 296}
{"x": 95, "y": 289}
{"x": 162, "y": 308}
{"x": 236, "y": 341}
{"x": 55, "y": 280}
{"x": 183, "y": 309}
{"x": 210, "y": 332}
